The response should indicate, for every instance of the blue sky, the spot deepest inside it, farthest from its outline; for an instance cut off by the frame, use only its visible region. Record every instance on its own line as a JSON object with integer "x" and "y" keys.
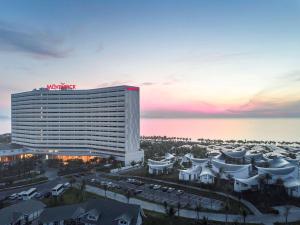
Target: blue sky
{"x": 190, "y": 58}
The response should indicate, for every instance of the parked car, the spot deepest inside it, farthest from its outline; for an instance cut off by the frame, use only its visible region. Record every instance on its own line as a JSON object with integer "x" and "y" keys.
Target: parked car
{"x": 93, "y": 180}
{"x": 137, "y": 191}
{"x": 13, "y": 196}
{"x": 67, "y": 185}
{"x": 179, "y": 192}
{"x": 164, "y": 189}
{"x": 151, "y": 186}
{"x": 20, "y": 195}
{"x": 170, "y": 189}
{"x": 156, "y": 187}
{"x": 103, "y": 183}
{"x": 38, "y": 195}
{"x": 47, "y": 194}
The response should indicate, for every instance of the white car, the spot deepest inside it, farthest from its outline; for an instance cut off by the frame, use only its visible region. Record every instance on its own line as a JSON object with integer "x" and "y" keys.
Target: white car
{"x": 13, "y": 196}
{"x": 156, "y": 187}
{"x": 67, "y": 185}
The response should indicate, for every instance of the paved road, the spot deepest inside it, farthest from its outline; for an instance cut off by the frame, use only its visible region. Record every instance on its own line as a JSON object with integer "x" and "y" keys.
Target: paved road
{"x": 44, "y": 187}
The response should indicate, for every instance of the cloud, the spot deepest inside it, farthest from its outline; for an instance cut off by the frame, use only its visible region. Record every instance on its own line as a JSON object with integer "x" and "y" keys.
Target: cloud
{"x": 115, "y": 83}
{"x": 212, "y": 57}
{"x": 147, "y": 84}
{"x": 279, "y": 99}
{"x": 36, "y": 44}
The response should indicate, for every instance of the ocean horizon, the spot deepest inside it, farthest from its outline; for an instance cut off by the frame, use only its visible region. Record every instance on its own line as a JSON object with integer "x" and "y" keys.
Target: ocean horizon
{"x": 261, "y": 129}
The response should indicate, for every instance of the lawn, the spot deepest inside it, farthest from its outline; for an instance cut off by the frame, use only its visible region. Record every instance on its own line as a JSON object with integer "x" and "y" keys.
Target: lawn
{"x": 70, "y": 196}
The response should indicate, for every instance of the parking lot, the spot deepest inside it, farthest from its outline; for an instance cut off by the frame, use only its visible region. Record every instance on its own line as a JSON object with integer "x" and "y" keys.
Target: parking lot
{"x": 157, "y": 193}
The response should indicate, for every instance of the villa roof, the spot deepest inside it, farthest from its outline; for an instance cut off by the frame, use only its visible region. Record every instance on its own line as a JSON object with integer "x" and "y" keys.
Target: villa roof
{"x": 169, "y": 156}
{"x": 276, "y": 171}
{"x": 160, "y": 166}
{"x": 234, "y": 154}
{"x": 229, "y": 167}
{"x": 199, "y": 160}
{"x": 154, "y": 162}
{"x": 249, "y": 181}
{"x": 206, "y": 171}
{"x": 193, "y": 169}
{"x": 278, "y": 162}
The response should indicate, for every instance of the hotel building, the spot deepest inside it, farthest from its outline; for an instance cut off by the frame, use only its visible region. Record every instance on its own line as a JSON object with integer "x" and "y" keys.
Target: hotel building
{"x": 97, "y": 122}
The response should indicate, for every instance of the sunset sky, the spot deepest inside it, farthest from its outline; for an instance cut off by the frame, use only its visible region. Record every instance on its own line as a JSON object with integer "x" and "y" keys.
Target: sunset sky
{"x": 190, "y": 58}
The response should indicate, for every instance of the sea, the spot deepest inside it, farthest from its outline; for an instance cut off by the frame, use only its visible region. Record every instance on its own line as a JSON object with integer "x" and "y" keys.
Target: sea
{"x": 279, "y": 129}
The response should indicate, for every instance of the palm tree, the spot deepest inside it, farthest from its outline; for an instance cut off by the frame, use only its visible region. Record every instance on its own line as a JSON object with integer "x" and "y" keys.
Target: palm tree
{"x": 105, "y": 189}
{"x": 261, "y": 182}
{"x": 227, "y": 207}
{"x": 268, "y": 178}
{"x": 286, "y": 213}
{"x": 171, "y": 213}
{"x": 204, "y": 221}
{"x": 82, "y": 189}
{"x": 178, "y": 207}
{"x": 72, "y": 181}
{"x": 166, "y": 206}
{"x": 244, "y": 214}
{"x": 128, "y": 196}
{"x": 198, "y": 209}
{"x": 280, "y": 185}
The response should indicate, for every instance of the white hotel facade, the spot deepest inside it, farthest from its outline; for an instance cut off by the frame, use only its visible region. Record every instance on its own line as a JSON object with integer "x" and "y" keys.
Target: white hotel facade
{"x": 97, "y": 122}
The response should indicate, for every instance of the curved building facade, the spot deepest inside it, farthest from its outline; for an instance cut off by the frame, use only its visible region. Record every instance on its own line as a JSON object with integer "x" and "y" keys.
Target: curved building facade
{"x": 100, "y": 122}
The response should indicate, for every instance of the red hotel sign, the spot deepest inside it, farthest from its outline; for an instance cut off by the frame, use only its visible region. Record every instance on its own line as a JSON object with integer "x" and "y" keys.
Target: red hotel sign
{"x": 132, "y": 89}
{"x": 61, "y": 86}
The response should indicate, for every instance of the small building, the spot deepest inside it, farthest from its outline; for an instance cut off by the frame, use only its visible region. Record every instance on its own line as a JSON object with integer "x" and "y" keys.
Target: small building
{"x": 190, "y": 174}
{"x": 93, "y": 212}
{"x": 241, "y": 185}
{"x": 201, "y": 174}
{"x": 231, "y": 170}
{"x": 21, "y": 213}
{"x": 159, "y": 167}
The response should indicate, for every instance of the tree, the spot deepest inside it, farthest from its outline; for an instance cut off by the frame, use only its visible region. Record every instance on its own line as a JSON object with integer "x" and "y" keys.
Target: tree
{"x": 132, "y": 163}
{"x": 286, "y": 213}
{"x": 244, "y": 214}
{"x": 105, "y": 189}
{"x": 82, "y": 189}
{"x": 226, "y": 207}
{"x": 198, "y": 209}
{"x": 128, "y": 196}
{"x": 171, "y": 213}
{"x": 72, "y": 181}
{"x": 178, "y": 207}
{"x": 268, "y": 178}
{"x": 204, "y": 221}
{"x": 166, "y": 206}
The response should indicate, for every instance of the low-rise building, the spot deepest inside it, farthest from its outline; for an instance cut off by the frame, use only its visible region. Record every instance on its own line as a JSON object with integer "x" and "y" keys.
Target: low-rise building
{"x": 21, "y": 213}
{"x": 93, "y": 212}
